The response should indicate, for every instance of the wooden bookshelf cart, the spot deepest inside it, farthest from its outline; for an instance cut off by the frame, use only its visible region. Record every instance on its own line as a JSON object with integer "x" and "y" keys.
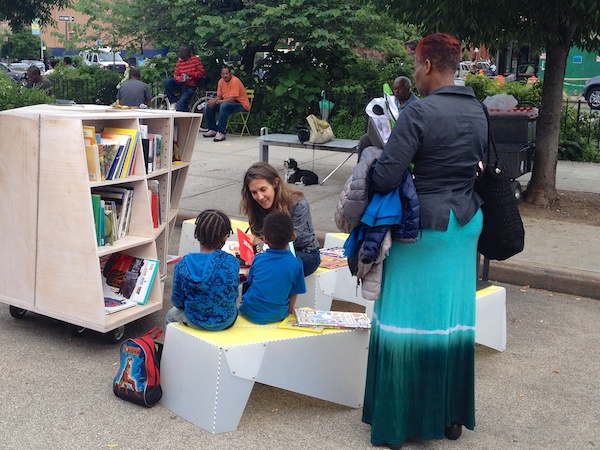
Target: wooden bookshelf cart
{"x": 49, "y": 257}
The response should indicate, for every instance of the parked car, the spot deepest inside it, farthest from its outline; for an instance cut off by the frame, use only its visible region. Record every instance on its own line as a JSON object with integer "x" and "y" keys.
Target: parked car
{"x": 16, "y": 75}
{"x": 464, "y": 68}
{"x": 105, "y": 58}
{"x": 591, "y": 92}
{"x": 33, "y": 62}
{"x": 526, "y": 71}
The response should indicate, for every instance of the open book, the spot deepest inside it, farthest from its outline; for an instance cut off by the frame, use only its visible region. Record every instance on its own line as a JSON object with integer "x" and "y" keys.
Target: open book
{"x": 126, "y": 280}
{"x": 331, "y": 319}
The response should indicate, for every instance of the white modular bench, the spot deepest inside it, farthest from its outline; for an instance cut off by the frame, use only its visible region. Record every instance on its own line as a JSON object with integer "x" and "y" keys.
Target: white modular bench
{"x": 324, "y": 286}
{"x": 490, "y": 321}
{"x": 207, "y": 376}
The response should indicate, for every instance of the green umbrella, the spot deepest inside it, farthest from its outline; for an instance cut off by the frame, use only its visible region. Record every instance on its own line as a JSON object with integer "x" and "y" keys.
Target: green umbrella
{"x": 325, "y": 105}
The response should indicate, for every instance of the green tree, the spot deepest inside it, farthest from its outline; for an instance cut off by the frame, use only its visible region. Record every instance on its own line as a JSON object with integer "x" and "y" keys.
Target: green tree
{"x": 303, "y": 46}
{"x": 554, "y": 25}
{"x": 20, "y": 13}
{"x": 21, "y": 44}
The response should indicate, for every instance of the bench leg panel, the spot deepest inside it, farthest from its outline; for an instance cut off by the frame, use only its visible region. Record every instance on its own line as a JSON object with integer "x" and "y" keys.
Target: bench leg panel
{"x": 198, "y": 385}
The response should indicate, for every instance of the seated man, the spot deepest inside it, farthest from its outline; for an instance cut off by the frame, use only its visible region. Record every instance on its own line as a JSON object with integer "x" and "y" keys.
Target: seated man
{"x": 188, "y": 71}
{"x": 231, "y": 98}
{"x": 36, "y": 80}
{"x": 134, "y": 92}
{"x": 403, "y": 96}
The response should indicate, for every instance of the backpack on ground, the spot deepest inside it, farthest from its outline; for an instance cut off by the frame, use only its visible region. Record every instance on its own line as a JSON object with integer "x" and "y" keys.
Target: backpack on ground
{"x": 138, "y": 377}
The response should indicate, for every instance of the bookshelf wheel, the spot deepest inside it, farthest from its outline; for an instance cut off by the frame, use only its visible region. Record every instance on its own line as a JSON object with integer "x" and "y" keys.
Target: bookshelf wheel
{"x": 77, "y": 330}
{"x": 116, "y": 335}
{"x": 17, "y": 313}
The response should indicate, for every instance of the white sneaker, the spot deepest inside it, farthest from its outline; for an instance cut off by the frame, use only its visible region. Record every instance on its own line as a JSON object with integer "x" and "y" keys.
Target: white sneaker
{"x": 219, "y": 137}
{"x": 173, "y": 107}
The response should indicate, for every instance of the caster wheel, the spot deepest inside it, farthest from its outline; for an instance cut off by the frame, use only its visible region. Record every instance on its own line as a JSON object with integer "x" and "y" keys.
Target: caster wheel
{"x": 17, "y": 313}
{"x": 116, "y": 335}
{"x": 76, "y": 330}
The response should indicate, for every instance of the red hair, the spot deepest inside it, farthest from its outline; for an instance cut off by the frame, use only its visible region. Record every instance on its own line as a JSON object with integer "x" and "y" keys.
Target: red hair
{"x": 441, "y": 49}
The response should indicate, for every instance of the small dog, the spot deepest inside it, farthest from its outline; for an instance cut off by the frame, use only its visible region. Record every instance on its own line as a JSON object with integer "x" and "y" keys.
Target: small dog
{"x": 294, "y": 175}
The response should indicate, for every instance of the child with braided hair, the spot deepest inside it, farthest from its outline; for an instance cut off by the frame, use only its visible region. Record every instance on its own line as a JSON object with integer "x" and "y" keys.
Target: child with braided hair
{"x": 205, "y": 284}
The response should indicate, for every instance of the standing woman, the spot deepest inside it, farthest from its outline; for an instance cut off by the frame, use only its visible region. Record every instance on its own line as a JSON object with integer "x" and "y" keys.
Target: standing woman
{"x": 264, "y": 191}
{"x": 420, "y": 375}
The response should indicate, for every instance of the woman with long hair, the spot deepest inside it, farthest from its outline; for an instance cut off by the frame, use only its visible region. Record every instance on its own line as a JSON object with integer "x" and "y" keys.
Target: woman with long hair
{"x": 264, "y": 191}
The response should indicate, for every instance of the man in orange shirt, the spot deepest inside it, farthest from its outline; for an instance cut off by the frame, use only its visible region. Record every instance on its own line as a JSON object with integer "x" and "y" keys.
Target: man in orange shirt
{"x": 231, "y": 98}
{"x": 188, "y": 71}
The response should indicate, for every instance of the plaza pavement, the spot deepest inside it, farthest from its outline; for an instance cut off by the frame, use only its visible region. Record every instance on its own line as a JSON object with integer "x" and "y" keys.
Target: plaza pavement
{"x": 541, "y": 393}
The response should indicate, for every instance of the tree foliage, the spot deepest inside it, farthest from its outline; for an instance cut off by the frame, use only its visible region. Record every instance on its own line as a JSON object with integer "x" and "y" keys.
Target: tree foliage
{"x": 23, "y": 12}
{"x": 290, "y": 51}
{"x": 554, "y": 25}
{"x": 20, "y": 44}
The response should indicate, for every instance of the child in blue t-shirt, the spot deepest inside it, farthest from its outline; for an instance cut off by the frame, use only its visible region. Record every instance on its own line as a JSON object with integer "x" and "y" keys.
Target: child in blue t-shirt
{"x": 276, "y": 276}
{"x": 205, "y": 284}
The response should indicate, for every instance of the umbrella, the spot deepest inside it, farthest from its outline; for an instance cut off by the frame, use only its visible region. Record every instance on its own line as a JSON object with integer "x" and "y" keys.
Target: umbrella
{"x": 325, "y": 105}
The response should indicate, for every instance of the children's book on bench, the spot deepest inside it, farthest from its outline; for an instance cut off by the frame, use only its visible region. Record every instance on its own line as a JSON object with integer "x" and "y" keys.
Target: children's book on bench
{"x": 331, "y": 319}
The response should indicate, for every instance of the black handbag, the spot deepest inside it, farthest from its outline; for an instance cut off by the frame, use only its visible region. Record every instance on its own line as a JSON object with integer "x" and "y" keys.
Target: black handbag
{"x": 503, "y": 234}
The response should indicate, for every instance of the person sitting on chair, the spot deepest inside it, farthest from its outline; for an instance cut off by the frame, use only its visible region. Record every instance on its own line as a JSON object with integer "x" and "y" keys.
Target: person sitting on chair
{"x": 188, "y": 71}
{"x": 231, "y": 98}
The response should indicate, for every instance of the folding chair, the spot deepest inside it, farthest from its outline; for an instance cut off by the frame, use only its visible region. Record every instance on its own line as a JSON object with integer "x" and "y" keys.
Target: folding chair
{"x": 240, "y": 119}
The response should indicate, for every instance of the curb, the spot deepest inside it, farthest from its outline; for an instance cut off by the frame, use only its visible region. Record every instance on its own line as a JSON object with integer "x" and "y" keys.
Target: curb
{"x": 550, "y": 279}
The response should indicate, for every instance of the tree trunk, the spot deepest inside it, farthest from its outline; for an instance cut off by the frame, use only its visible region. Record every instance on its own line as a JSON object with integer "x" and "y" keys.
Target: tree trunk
{"x": 541, "y": 189}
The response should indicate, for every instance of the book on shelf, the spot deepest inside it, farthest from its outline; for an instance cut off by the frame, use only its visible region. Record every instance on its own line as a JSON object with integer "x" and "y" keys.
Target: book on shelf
{"x": 331, "y": 319}
{"x": 131, "y": 149}
{"x": 89, "y": 135}
{"x": 96, "y": 209}
{"x": 123, "y": 155}
{"x": 127, "y": 279}
{"x": 92, "y": 156}
{"x": 123, "y": 204}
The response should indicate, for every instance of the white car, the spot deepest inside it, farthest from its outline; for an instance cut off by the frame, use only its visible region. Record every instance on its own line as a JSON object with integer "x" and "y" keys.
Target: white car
{"x": 105, "y": 58}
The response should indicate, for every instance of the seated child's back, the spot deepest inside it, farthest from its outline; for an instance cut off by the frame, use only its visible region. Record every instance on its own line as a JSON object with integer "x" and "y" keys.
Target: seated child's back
{"x": 205, "y": 284}
{"x": 276, "y": 276}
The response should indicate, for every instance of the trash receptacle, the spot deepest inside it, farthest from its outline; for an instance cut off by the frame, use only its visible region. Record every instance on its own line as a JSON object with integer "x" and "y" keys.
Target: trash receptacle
{"x": 514, "y": 132}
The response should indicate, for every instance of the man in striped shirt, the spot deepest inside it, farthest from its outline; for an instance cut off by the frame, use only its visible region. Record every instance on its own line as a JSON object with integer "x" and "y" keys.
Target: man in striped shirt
{"x": 188, "y": 71}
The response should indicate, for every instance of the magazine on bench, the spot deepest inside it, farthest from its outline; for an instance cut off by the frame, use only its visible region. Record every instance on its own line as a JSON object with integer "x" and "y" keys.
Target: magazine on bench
{"x": 331, "y": 319}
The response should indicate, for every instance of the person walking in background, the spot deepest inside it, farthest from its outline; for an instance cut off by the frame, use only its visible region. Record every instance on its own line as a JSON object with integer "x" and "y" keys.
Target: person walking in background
{"x": 36, "y": 80}
{"x": 421, "y": 369}
{"x": 263, "y": 192}
{"x": 276, "y": 277}
{"x": 134, "y": 92}
{"x": 52, "y": 63}
{"x": 231, "y": 98}
{"x": 68, "y": 63}
{"x": 188, "y": 72}
{"x": 205, "y": 284}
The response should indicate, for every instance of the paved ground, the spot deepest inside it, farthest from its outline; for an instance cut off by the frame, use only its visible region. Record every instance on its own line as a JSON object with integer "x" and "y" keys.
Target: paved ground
{"x": 542, "y": 392}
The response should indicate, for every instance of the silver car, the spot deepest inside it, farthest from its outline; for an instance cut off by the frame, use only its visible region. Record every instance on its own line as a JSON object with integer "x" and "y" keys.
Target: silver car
{"x": 591, "y": 92}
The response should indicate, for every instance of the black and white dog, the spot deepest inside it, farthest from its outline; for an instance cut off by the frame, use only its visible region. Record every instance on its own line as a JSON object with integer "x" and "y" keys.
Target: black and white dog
{"x": 294, "y": 175}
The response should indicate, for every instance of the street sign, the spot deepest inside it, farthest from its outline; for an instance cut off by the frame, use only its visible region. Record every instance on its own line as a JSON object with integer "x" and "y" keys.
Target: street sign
{"x": 66, "y": 18}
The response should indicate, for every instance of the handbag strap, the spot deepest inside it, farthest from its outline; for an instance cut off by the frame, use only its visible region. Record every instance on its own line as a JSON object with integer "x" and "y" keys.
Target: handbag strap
{"x": 491, "y": 142}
